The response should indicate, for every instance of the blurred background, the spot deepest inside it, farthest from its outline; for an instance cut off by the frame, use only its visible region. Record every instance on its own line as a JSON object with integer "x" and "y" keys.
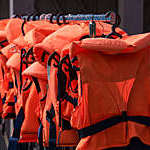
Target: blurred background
{"x": 134, "y": 13}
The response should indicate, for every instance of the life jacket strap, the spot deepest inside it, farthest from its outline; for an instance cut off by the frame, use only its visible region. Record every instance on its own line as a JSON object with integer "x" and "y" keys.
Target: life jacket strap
{"x": 10, "y": 115}
{"x": 107, "y": 123}
{"x": 44, "y": 55}
{"x": 35, "y": 80}
{"x": 44, "y": 98}
{"x": 52, "y": 130}
{"x": 11, "y": 103}
{"x": 4, "y": 99}
{"x": 29, "y": 85}
{"x": 16, "y": 83}
{"x": 2, "y": 42}
{"x": 70, "y": 99}
{"x": 18, "y": 123}
{"x": 11, "y": 85}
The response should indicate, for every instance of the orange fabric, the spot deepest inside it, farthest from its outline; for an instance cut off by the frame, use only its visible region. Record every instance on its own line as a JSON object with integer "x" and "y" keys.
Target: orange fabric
{"x": 64, "y": 36}
{"x": 35, "y": 35}
{"x": 29, "y": 129}
{"x": 2, "y": 35}
{"x": 9, "y": 50}
{"x": 57, "y": 41}
{"x": 9, "y": 106}
{"x": 3, "y": 24}
{"x": 38, "y": 24}
{"x": 14, "y": 61}
{"x": 36, "y": 70}
{"x": 13, "y": 29}
{"x": 4, "y": 76}
{"x": 114, "y": 79}
{"x": 45, "y": 123}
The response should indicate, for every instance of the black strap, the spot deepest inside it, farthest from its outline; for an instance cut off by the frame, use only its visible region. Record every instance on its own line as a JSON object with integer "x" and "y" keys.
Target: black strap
{"x": 61, "y": 82}
{"x": 35, "y": 80}
{"x": 30, "y": 60}
{"x": 23, "y": 55}
{"x": 74, "y": 59}
{"x": 10, "y": 115}
{"x": 2, "y": 42}
{"x": 41, "y": 100}
{"x": 15, "y": 98}
{"x": 18, "y": 123}
{"x": 52, "y": 130}
{"x": 11, "y": 104}
{"x": 16, "y": 83}
{"x": 107, "y": 123}
{"x": 4, "y": 99}
{"x": 43, "y": 55}
{"x": 3, "y": 73}
{"x": 40, "y": 136}
{"x": 76, "y": 68}
{"x": 11, "y": 85}
{"x": 70, "y": 99}
{"x": 66, "y": 125}
{"x": 25, "y": 89}
{"x": 140, "y": 119}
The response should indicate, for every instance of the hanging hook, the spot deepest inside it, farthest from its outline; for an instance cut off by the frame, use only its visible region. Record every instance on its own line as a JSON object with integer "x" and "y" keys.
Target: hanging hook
{"x": 115, "y": 21}
{"x": 42, "y": 16}
{"x": 22, "y": 27}
{"x": 51, "y": 18}
{"x": 58, "y": 19}
{"x": 47, "y": 16}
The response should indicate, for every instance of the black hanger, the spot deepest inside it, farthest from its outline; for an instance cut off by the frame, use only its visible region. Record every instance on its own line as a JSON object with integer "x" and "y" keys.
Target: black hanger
{"x": 17, "y": 16}
{"x": 58, "y": 19}
{"x": 33, "y": 15}
{"x": 51, "y": 18}
{"x": 22, "y": 27}
{"x": 115, "y": 23}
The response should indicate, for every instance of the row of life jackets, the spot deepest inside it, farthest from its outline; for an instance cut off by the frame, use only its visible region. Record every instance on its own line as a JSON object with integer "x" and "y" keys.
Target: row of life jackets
{"x": 67, "y": 91}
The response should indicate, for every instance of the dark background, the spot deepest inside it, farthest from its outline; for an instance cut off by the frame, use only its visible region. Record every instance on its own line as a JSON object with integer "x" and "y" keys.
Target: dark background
{"x": 77, "y": 6}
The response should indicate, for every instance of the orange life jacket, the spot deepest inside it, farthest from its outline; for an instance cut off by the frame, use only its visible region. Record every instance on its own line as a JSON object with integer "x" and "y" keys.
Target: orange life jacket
{"x": 8, "y": 84}
{"x": 31, "y": 38}
{"x": 38, "y": 74}
{"x": 21, "y": 97}
{"x": 3, "y": 88}
{"x": 62, "y": 36}
{"x": 9, "y": 105}
{"x": 114, "y": 77}
{"x": 42, "y": 51}
{"x": 49, "y": 45}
